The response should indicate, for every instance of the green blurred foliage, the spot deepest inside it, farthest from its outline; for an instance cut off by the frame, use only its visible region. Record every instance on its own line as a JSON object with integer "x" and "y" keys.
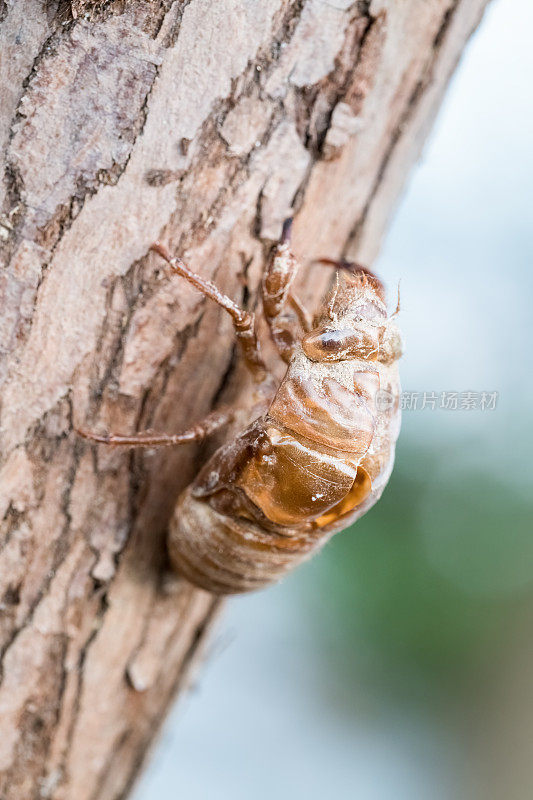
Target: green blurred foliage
{"x": 417, "y": 595}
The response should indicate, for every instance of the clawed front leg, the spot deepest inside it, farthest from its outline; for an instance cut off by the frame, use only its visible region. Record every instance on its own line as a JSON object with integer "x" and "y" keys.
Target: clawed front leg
{"x": 277, "y": 294}
{"x": 201, "y": 430}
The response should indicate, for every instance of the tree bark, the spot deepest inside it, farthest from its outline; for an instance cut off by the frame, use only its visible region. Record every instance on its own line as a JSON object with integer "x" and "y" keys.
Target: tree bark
{"x": 201, "y": 124}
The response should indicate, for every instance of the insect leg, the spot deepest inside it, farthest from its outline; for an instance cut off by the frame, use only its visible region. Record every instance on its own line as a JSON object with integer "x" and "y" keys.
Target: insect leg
{"x": 243, "y": 321}
{"x": 304, "y": 317}
{"x": 277, "y": 294}
{"x": 200, "y": 431}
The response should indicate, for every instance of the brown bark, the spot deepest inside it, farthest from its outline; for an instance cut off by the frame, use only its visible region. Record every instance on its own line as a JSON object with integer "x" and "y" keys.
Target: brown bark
{"x": 200, "y": 124}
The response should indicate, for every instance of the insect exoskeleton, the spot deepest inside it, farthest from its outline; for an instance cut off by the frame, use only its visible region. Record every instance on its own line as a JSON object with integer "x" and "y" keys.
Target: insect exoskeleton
{"x": 321, "y": 449}
{"x": 316, "y": 460}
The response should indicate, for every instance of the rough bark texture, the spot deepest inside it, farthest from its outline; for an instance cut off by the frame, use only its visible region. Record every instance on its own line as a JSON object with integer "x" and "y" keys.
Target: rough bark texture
{"x": 200, "y": 123}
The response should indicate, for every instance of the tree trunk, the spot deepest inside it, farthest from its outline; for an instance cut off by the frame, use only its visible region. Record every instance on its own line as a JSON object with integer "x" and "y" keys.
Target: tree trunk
{"x": 201, "y": 124}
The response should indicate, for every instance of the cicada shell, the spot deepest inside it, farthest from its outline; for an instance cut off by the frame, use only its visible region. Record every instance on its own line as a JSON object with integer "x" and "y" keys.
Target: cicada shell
{"x": 315, "y": 461}
{"x": 321, "y": 448}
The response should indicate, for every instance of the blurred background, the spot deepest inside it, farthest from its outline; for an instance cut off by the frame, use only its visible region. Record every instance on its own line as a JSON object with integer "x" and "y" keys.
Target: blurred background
{"x": 398, "y": 665}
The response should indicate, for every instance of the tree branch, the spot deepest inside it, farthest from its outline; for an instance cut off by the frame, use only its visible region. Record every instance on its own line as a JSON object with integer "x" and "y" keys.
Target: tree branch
{"x": 203, "y": 125}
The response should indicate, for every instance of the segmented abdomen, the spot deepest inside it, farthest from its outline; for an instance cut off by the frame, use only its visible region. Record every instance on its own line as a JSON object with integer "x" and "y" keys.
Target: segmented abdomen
{"x": 229, "y": 555}
{"x": 310, "y": 467}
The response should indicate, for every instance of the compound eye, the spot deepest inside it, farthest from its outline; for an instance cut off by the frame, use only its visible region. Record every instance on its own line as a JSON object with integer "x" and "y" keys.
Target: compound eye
{"x": 328, "y": 345}
{"x": 341, "y": 344}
